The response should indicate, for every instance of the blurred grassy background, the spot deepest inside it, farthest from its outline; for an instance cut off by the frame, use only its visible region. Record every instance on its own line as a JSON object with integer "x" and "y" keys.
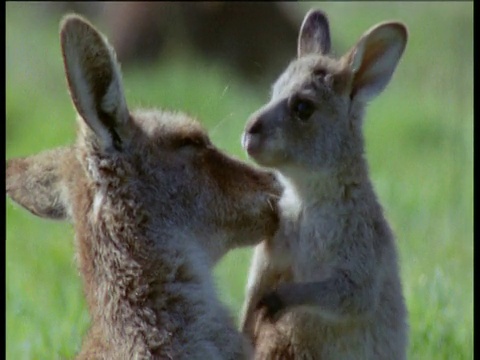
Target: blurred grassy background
{"x": 419, "y": 137}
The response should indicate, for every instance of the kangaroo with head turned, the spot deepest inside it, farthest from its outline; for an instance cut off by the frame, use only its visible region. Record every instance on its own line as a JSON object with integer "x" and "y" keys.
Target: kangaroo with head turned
{"x": 328, "y": 285}
{"x": 154, "y": 205}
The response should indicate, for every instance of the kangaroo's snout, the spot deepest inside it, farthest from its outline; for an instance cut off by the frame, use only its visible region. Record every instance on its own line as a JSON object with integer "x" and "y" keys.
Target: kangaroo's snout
{"x": 260, "y": 128}
{"x": 255, "y": 126}
{"x": 251, "y": 137}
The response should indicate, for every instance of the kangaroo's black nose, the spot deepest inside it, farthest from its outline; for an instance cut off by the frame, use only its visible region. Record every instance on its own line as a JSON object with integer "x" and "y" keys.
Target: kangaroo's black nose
{"x": 255, "y": 127}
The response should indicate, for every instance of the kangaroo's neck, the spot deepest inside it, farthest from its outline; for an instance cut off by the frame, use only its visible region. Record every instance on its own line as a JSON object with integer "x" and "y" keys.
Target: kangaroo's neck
{"x": 328, "y": 186}
{"x": 128, "y": 281}
{"x": 128, "y": 295}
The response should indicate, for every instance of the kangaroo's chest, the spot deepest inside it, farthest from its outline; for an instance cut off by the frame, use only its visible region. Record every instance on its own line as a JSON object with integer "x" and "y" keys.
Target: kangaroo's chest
{"x": 309, "y": 239}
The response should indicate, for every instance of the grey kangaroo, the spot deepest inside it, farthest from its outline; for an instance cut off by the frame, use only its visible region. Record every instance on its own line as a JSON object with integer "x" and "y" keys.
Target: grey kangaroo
{"x": 154, "y": 205}
{"x": 327, "y": 286}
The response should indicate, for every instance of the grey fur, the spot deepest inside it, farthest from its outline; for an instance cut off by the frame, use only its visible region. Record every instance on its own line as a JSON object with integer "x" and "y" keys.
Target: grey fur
{"x": 327, "y": 286}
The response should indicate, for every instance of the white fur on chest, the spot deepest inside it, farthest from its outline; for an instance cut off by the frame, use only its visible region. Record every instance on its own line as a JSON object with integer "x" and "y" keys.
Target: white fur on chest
{"x": 305, "y": 237}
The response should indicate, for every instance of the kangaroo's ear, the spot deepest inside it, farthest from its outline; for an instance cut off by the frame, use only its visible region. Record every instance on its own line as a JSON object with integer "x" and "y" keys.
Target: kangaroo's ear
{"x": 37, "y": 184}
{"x": 374, "y": 58}
{"x": 314, "y": 36}
{"x": 94, "y": 80}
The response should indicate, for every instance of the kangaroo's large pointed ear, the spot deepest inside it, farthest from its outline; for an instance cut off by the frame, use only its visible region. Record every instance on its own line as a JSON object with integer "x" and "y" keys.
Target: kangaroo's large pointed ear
{"x": 38, "y": 183}
{"x": 374, "y": 58}
{"x": 94, "y": 80}
{"x": 314, "y": 36}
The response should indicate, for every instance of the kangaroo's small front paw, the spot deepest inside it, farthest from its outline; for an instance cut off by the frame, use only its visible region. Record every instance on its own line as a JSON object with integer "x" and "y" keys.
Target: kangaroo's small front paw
{"x": 272, "y": 305}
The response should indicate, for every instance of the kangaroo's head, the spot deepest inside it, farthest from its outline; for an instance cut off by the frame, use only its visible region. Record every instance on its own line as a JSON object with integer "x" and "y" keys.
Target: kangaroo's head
{"x": 313, "y": 119}
{"x": 154, "y": 169}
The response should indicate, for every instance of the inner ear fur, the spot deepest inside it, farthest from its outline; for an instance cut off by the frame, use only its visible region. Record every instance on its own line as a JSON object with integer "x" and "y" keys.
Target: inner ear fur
{"x": 314, "y": 35}
{"x": 94, "y": 79}
{"x": 375, "y": 57}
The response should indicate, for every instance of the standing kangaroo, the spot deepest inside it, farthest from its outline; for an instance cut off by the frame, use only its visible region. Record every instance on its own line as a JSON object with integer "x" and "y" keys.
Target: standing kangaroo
{"x": 328, "y": 285}
{"x": 154, "y": 205}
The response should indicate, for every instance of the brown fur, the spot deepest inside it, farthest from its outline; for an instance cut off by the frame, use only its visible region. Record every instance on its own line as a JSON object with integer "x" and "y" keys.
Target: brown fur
{"x": 327, "y": 286}
{"x": 154, "y": 205}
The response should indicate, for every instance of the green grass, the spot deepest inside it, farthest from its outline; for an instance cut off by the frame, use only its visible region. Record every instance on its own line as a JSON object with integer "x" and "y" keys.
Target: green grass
{"x": 419, "y": 144}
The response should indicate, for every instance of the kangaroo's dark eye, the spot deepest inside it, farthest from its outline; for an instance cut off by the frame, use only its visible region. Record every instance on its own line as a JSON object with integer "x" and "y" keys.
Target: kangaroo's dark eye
{"x": 193, "y": 141}
{"x": 320, "y": 73}
{"x": 302, "y": 109}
